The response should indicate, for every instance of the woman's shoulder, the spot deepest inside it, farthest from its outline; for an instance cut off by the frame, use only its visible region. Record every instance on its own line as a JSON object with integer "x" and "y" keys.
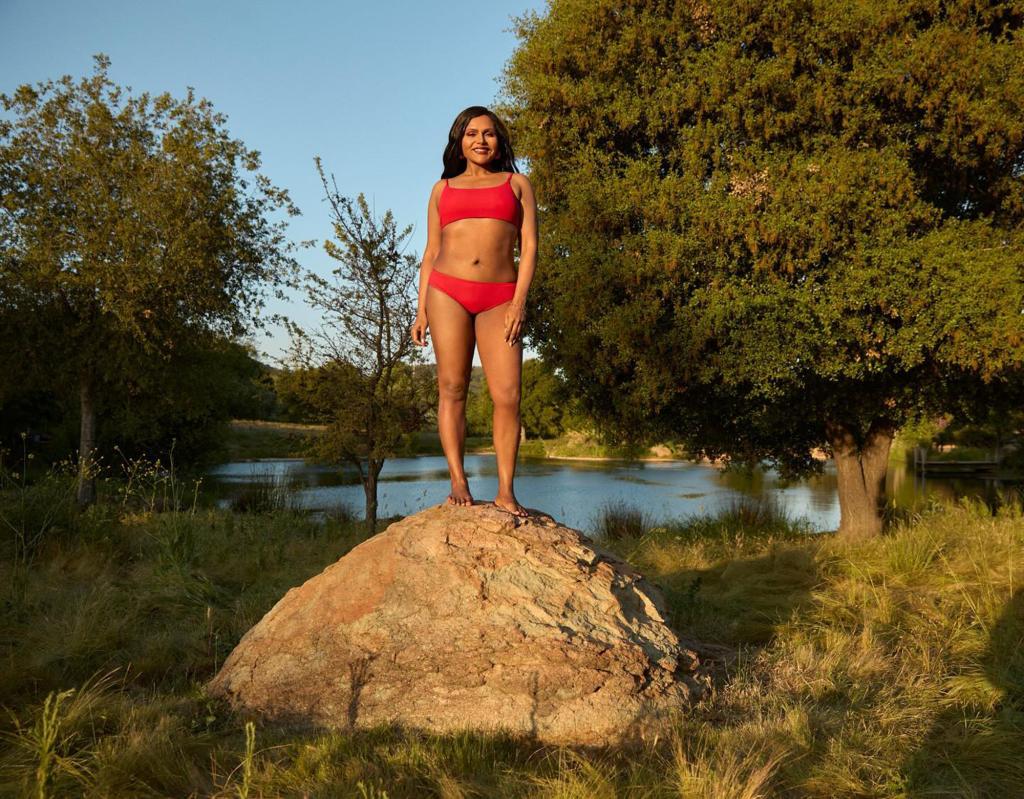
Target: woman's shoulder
{"x": 522, "y": 184}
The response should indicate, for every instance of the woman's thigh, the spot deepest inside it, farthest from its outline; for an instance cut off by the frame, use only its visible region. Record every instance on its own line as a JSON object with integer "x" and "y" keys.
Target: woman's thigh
{"x": 503, "y": 365}
{"x": 453, "y": 336}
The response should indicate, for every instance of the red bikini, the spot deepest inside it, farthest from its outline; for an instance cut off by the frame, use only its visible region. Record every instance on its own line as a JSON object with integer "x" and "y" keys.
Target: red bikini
{"x": 492, "y": 202}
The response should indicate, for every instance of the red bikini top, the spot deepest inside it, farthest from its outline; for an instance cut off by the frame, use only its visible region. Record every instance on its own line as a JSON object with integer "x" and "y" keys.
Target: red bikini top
{"x": 492, "y": 202}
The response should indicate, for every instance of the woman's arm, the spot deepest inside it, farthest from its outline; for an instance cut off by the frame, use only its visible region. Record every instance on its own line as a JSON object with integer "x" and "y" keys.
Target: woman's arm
{"x": 419, "y": 328}
{"x": 516, "y": 314}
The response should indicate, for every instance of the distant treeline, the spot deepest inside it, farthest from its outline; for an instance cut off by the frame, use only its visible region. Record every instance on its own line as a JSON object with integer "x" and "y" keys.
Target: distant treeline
{"x": 546, "y": 408}
{"x": 188, "y": 406}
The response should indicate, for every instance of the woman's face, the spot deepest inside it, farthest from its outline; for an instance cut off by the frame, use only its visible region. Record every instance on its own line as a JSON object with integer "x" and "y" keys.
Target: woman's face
{"x": 480, "y": 141}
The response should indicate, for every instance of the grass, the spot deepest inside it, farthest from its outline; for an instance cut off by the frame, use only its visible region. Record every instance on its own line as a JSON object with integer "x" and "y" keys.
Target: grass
{"x": 251, "y": 440}
{"x": 890, "y": 668}
{"x": 268, "y": 492}
{"x": 576, "y": 444}
{"x": 428, "y": 442}
{"x": 962, "y": 454}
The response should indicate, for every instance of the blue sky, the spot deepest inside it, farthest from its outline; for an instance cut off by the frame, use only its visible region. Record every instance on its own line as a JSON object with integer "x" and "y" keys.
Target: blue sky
{"x": 372, "y": 88}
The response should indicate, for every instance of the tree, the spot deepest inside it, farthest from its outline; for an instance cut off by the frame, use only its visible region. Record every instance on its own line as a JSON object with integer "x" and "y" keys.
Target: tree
{"x": 129, "y": 233}
{"x": 479, "y": 406}
{"x": 544, "y": 399}
{"x": 542, "y": 406}
{"x": 188, "y": 404}
{"x": 772, "y": 226}
{"x": 357, "y": 370}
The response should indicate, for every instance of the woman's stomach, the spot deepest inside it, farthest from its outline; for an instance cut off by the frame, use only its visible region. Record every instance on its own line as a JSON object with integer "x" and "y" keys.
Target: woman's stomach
{"x": 480, "y": 250}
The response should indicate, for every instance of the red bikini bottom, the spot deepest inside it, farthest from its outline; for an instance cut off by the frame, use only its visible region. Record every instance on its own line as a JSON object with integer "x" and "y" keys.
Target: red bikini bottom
{"x": 473, "y": 295}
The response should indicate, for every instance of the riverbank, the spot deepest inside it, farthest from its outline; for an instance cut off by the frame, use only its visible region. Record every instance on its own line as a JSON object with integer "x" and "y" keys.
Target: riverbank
{"x": 884, "y": 668}
{"x": 255, "y": 440}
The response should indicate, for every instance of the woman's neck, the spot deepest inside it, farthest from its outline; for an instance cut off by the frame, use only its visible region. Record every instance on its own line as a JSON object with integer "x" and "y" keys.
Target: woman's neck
{"x": 480, "y": 172}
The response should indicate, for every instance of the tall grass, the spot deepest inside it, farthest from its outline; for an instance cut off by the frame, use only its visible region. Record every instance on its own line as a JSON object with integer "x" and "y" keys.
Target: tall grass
{"x": 891, "y": 667}
{"x": 269, "y": 492}
{"x": 50, "y": 753}
{"x": 33, "y": 511}
{"x": 615, "y": 520}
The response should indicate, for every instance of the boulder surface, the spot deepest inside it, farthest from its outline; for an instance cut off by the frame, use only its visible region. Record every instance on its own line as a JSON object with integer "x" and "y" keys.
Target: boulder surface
{"x": 470, "y": 618}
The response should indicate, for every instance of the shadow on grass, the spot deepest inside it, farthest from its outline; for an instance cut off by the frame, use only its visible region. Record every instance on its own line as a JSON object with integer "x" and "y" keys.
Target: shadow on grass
{"x": 729, "y": 580}
{"x": 977, "y": 741}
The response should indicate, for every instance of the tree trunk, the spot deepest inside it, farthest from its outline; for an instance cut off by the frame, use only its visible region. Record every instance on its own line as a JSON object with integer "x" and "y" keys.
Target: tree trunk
{"x": 861, "y": 466}
{"x": 86, "y": 445}
{"x": 373, "y": 468}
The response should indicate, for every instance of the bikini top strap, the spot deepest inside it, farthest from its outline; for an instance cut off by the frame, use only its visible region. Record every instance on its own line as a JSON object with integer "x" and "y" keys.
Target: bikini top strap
{"x": 509, "y": 178}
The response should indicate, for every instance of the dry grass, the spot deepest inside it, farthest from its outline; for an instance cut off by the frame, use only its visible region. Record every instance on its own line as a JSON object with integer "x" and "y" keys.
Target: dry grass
{"x": 891, "y": 668}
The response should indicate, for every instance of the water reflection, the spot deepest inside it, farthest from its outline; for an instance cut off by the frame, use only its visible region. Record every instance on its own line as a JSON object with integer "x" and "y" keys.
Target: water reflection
{"x": 572, "y": 490}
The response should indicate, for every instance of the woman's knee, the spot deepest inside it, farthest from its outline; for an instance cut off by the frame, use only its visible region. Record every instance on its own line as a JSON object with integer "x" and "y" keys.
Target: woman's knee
{"x": 505, "y": 397}
{"x": 452, "y": 389}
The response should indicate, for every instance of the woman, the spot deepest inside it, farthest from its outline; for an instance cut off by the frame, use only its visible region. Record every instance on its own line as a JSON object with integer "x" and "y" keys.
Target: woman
{"x": 470, "y": 293}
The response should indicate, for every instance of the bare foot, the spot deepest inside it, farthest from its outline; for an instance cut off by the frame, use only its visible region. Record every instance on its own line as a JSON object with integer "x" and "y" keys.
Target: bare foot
{"x": 508, "y": 502}
{"x": 460, "y": 493}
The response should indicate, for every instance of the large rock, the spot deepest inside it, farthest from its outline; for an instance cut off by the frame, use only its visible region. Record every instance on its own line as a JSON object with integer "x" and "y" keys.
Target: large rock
{"x": 468, "y": 617}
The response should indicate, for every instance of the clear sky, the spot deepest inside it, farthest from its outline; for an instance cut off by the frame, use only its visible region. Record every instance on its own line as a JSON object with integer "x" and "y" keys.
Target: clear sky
{"x": 371, "y": 87}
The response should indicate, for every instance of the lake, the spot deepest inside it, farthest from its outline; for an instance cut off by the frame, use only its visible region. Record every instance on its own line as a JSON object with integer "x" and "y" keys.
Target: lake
{"x": 572, "y": 490}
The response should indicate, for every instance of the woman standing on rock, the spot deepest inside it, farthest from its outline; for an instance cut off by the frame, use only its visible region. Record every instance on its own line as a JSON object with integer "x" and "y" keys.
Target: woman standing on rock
{"x": 471, "y": 293}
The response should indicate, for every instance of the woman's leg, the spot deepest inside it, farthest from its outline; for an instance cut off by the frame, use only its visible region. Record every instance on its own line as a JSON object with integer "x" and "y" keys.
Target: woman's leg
{"x": 503, "y": 366}
{"x": 451, "y": 328}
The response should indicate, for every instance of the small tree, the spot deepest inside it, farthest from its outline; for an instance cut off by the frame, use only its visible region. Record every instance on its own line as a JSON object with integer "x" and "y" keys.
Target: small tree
{"x": 358, "y": 375}
{"x": 127, "y": 234}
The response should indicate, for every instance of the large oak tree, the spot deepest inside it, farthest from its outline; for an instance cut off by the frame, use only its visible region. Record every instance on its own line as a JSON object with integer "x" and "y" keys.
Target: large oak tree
{"x": 774, "y": 225}
{"x": 132, "y": 227}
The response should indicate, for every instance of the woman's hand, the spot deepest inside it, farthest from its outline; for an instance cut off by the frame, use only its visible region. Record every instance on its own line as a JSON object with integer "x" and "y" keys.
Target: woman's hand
{"x": 515, "y": 316}
{"x": 419, "y": 329}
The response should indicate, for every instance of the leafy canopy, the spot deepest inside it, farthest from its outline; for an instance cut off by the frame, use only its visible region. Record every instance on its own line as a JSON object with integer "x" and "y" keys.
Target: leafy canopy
{"x": 130, "y": 227}
{"x": 758, "y": 216}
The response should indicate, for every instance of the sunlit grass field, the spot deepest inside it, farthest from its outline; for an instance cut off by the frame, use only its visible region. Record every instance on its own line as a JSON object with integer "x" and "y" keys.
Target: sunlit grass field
{"x": 251, "y": 439}
{"x": 888, "y": 668}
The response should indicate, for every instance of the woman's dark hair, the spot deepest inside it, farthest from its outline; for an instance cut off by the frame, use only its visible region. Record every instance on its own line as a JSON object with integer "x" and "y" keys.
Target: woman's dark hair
{"x": 455, "y": 161}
